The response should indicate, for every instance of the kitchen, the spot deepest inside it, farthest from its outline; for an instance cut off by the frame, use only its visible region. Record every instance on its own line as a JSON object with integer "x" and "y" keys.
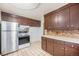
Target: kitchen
{"x": 55, "y": 34}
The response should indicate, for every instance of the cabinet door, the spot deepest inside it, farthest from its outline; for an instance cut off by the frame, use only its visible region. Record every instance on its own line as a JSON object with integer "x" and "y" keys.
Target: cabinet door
{"x": 34, "y": 23}
{"x": 69, "y": 51}
{"x": 48, "y": 23}
{"x": 50, "y": 46}
{"x": 44, "y": 43}
{"x": 74, "y": 16}
{"x": 58, "y": 48}
{"x": 54, "y": 21}
{"x": 63, "y": 19}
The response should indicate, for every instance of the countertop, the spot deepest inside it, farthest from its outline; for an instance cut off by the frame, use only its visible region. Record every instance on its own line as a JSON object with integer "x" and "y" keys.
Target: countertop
{"x": 63, "y": 38}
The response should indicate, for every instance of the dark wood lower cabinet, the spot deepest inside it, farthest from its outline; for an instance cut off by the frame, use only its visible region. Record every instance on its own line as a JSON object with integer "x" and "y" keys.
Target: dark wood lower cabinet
{"x": 50, "y": 46}
{"x": 58, "y": 51}
{"x": 44, "y": 43}
{"x": 71, "y": 49}
{"x": 60, "y": 48}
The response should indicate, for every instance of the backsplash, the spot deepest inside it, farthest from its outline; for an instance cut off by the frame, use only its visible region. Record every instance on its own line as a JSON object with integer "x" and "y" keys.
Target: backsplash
{"x": 73, "y": 33}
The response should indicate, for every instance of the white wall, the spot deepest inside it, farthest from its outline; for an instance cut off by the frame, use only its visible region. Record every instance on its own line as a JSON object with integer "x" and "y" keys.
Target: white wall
{"x": 42, "y": 25}
{"x": 36, "y": 32}
{"x": 0, "y": 15}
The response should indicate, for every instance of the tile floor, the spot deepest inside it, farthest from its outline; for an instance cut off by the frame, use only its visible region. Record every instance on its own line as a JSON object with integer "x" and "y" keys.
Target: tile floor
{"x": 33, "y": 50}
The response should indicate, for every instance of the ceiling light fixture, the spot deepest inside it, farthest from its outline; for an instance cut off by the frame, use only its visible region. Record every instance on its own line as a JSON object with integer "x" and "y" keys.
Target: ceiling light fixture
{"x": 26, "y": 6}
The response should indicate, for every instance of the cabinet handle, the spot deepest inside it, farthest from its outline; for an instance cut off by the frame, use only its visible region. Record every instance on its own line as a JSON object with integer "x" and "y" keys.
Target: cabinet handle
{"x": 72, "y": 46}
{"x": 67, "y": 25}
{"x": 66, "y": 49}
{"x": 62, "y": 48}
{"x": 72, "y": 25}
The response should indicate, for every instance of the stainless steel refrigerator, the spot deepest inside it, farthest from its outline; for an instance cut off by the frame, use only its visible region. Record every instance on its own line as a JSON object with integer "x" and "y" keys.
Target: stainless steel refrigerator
{"x": 9, "y": 37}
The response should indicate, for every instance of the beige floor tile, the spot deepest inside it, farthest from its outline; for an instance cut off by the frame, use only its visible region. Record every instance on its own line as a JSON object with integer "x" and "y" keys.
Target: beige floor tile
{"x": 33, "y": 50}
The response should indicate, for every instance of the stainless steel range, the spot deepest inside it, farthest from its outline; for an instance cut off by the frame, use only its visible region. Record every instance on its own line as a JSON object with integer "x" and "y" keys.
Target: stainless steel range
{"x": 24, "y": 37}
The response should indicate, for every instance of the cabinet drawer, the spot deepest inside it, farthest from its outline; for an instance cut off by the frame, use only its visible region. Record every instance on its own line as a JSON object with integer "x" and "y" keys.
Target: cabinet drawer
{"x": 58, "y": 42}
{"x": 72, "y": 45}
{"x": 59, "y": 45}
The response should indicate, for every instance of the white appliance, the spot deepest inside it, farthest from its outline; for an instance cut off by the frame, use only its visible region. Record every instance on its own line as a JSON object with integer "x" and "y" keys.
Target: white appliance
{"x": 9, "y": 37}
{"x": 24, "y": 37}
{"x": 23, "y": 30}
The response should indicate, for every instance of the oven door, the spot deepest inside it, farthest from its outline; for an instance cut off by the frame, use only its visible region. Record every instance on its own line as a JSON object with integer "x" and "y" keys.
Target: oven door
{"x": 24, "y": 40}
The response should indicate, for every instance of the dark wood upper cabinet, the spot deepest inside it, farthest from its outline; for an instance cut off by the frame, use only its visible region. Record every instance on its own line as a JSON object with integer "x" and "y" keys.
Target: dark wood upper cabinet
{"x": 63, "y": 19}
{"x": 19, "y": 19}
{"x": 54, "y": 21}
{"x": 74, "y": 16}
{"x": 7, "y": 17}
{"x": 57, "y": 20}
{"x": 29, "y": 22}
{"x": 48, "y": 21}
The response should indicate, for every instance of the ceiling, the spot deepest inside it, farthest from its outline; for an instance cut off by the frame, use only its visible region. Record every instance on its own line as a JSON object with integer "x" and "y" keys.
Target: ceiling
{"x": 36, "y": 13}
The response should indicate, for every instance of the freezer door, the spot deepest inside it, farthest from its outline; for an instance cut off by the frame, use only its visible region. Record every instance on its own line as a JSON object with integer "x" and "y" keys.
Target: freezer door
{"x": 9, "y": 42}
{"x": 9, "y": 26}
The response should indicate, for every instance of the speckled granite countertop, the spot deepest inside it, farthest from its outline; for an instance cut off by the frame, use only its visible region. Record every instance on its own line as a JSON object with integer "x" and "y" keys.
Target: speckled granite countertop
{"x": 63, "y": 38}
